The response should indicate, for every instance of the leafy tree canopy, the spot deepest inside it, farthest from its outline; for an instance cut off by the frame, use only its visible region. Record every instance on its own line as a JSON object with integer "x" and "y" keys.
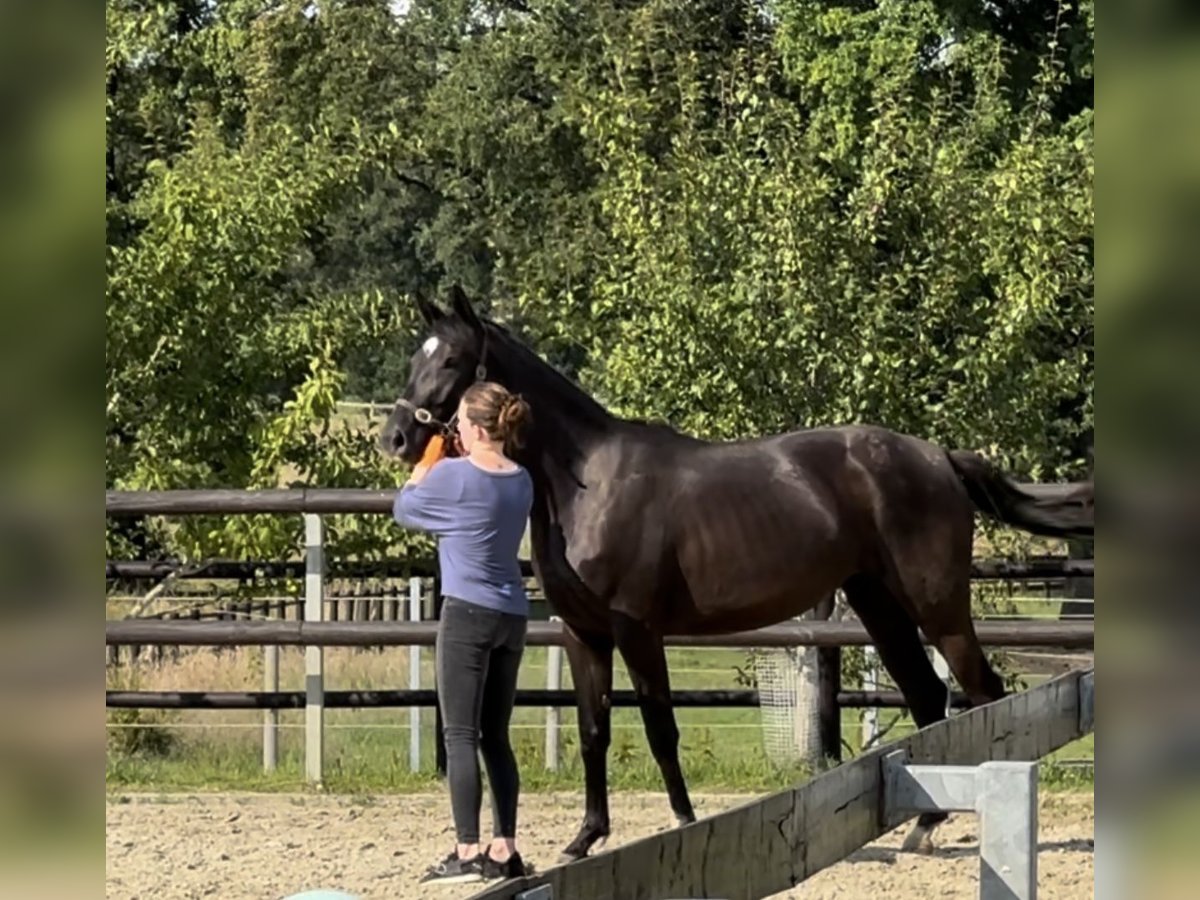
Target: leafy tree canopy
{"x": 735, "y": 218}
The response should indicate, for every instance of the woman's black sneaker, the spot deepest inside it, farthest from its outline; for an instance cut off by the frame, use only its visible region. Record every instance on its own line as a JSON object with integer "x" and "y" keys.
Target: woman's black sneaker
{"x": 453, "y": 870}
{"x": 513, "y": 867}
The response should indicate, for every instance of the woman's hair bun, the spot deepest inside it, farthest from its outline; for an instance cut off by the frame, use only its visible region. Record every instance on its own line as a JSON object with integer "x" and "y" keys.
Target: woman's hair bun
{"x": 514, "y": 417}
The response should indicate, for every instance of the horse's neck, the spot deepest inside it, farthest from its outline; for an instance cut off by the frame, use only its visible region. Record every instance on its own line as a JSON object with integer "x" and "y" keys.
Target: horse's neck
{"x": 558, "y": 449}
{"x": 568, "y": 426}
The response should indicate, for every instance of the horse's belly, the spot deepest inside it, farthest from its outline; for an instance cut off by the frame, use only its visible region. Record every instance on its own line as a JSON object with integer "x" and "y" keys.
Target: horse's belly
{"x": 759, "y": 562}
{"x": 743, "y": 600}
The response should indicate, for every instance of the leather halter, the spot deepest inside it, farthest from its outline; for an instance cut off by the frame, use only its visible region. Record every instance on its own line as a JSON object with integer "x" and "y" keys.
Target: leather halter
{"x": 425, "y": 417}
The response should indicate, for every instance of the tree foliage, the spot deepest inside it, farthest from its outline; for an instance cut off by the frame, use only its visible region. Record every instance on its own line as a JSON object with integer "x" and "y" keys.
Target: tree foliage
{"x": 738, "y": 218}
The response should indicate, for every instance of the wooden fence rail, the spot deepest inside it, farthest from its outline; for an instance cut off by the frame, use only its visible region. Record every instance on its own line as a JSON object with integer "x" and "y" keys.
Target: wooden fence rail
{"x": 239, "y": 502}
{"x": 373, "y": 699}
{"x": 1010, "y": 633}
{"x": 773, "y": 843}
{"x": 1033, "y": 569}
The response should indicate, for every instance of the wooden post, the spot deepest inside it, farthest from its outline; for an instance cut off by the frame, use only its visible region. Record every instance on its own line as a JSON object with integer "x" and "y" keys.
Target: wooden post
{"x": 159, "y": 649}
{"x": 314, "y": 658}
{"x": 1079, "y": 591}
{"x": 829, "y": 682}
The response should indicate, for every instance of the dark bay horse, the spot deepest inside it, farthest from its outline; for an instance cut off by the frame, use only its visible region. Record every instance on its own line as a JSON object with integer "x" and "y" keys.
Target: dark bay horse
{"x": 639, "y": 532}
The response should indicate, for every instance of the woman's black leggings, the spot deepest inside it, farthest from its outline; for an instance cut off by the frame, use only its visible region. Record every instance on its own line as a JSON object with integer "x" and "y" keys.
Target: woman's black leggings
{"x": 478, "y": 653}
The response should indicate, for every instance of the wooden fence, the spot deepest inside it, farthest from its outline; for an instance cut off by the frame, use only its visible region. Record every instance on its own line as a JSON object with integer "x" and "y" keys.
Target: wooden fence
{"x": 313, "y": 633}
{"x": 831, "y": 699}
{"x": 775, "y": 842}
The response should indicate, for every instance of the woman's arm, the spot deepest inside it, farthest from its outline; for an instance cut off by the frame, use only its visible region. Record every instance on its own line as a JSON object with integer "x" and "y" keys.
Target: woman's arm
{"x": 431, "y": 503}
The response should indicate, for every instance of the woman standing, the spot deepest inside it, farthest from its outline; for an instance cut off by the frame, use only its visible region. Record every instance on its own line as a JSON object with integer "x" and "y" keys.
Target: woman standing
{"x": 478, "y": 505}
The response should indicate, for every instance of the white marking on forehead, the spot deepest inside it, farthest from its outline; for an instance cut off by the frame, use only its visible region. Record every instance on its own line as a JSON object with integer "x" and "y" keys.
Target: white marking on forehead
{"x": 430, "y": 345}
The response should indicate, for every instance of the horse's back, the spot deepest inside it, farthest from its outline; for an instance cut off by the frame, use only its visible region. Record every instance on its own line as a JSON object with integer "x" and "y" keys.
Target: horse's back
{"x": 718, "y": 535}
{"x": 764, "y": 528}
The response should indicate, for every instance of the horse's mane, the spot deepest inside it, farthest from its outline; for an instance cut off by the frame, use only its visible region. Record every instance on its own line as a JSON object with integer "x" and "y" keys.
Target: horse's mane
{"x": 517, "y": 355}
{"x": 520, "y": 357}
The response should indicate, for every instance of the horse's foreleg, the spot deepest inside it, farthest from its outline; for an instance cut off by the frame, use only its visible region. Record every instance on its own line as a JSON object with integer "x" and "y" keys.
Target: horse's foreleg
{"x": 646, "y": 659}
{"x": 591, "y": 662}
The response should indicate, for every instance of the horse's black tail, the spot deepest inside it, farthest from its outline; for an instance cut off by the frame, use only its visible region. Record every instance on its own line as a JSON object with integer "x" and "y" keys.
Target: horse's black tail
{"x": 1053, "y": 510}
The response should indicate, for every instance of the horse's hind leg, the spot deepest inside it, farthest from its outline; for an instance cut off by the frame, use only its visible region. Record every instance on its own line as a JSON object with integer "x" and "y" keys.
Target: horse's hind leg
{"x": 945, "y": 617}
{"x": 900, "y": 649}
{"x": 646, "y": 659}
{"x": 899, "y": 646}
{"x": 953, "y": 633}
{"x": 928, "y": 558}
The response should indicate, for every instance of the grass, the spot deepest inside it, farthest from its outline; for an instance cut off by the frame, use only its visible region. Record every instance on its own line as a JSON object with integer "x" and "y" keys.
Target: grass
{"x": 367, "y": 751}
{"x": 375, "y": 761}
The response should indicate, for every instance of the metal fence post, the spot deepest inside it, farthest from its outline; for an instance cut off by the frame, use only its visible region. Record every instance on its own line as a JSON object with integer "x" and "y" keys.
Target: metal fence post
{"x": 1003, "y": 794}
{"x": 414, "y": 678}
{"x": 870, "y": 720}
{"x": 942, "y": 668}
{"x": 271, "y": 716}
{"x": 554, "y": 657}
{"x": 314, "y": 657}
{"x": 1008, "y": 826}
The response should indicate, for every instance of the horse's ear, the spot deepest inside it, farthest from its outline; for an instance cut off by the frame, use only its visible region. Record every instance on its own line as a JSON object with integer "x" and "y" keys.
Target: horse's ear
{"x": 462, "y": 307}
{"x": 429, "y": 311}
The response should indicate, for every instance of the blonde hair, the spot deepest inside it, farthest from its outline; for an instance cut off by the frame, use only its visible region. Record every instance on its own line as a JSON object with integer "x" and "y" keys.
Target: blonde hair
{"x": 501, "y": 414}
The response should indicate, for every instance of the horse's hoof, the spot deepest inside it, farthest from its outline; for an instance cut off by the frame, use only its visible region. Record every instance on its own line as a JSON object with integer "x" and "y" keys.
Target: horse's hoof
{"x": 919, "y": 840}
{"x": 571, "y": 854}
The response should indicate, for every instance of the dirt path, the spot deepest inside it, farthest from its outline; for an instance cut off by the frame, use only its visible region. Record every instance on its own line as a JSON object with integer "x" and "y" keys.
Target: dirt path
{"x": 270, "y": 846}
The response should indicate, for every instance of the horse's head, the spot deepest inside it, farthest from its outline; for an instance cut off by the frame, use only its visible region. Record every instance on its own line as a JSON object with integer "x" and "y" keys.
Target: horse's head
{"x": 449, "y": 360}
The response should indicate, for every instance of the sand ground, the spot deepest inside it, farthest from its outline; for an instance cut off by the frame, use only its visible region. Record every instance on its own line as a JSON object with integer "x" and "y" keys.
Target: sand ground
{"x": 271, "y": 846}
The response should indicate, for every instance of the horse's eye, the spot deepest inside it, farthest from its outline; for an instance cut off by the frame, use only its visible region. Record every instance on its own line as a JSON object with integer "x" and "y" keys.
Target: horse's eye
{"x": 450, "y": 363}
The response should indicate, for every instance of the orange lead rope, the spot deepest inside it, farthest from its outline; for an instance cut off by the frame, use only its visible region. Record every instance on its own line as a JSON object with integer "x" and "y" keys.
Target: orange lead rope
{"x": 435, "y": 451}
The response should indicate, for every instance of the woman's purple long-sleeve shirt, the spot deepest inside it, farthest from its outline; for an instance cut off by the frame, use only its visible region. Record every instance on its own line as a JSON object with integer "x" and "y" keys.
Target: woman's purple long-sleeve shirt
{"x": 479, "y": 517}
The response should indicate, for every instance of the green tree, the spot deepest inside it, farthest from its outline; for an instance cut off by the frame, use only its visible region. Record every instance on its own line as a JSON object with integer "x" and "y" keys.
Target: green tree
{"x": 871, "y": 228}
{"x": 223, "y": 352}
{"x": 739, "y": 218}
